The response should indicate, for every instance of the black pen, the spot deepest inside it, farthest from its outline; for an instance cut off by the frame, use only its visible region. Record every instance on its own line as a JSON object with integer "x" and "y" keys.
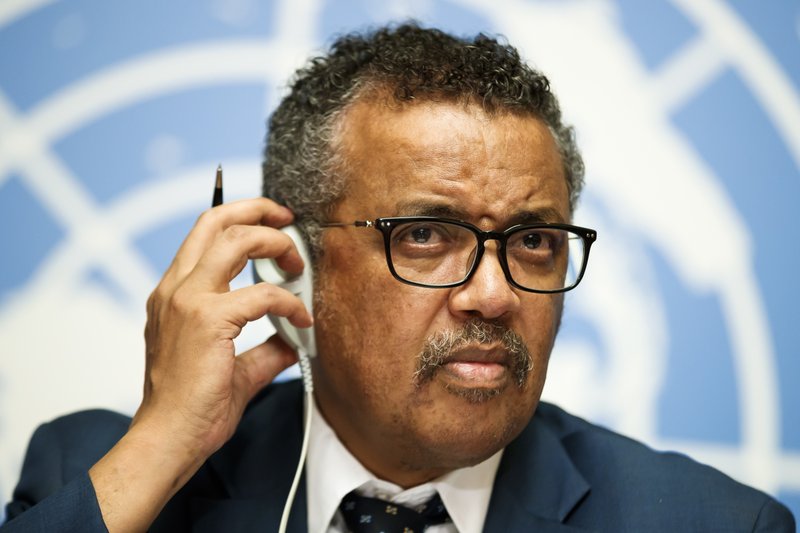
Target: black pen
{"x": 217, "y": 200}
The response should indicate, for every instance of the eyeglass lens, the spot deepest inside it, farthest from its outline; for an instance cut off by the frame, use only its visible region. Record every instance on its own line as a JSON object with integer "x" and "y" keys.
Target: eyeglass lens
{"x": 441, "y": 253}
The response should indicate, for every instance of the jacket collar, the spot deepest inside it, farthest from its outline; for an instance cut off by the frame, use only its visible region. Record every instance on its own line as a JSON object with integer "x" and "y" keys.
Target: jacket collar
{"x": 537, "y": 485}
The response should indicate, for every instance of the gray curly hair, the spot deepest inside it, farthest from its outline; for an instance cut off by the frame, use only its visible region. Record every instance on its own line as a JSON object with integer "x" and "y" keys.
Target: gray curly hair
{"x": 301, "y": 166}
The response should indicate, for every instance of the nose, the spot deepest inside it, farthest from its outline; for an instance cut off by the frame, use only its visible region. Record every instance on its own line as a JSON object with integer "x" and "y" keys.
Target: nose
{"x": 487, "y": 294}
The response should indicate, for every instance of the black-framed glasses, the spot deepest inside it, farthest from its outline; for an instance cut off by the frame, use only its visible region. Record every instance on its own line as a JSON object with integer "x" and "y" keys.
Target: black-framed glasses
{"x": 441, "y": 252}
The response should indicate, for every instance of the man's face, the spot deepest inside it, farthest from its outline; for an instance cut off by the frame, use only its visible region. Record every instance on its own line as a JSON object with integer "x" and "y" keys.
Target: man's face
{"x": 372, "y": 330}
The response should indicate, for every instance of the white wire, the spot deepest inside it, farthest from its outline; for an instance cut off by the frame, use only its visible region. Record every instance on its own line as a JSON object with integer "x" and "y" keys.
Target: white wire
{"x": 308, "y": 385}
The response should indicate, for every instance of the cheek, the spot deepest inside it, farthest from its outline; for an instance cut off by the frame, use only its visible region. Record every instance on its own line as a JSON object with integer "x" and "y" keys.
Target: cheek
{"x": 368, "y": 321}
{"x": 364, "y": 299}
{"x": 542, "y": 318}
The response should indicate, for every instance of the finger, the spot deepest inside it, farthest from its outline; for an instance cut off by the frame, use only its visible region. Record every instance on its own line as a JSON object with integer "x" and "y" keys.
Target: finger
{"x": 254, "y": 301}
{"x": 231, "y": 250}
{"x": 259, "y": 366}
{"x": 211, "y": 223}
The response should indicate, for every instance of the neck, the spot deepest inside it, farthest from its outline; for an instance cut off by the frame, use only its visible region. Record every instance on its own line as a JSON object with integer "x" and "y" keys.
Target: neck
{"x": 373, "y": 455}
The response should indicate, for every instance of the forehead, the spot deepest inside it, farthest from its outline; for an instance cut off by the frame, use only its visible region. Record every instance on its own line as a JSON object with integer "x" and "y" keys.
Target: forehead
{"x": 453, "y": 158}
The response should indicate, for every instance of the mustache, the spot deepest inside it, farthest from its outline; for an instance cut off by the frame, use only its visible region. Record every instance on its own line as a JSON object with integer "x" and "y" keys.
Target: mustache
{"x": 440, "y": 347}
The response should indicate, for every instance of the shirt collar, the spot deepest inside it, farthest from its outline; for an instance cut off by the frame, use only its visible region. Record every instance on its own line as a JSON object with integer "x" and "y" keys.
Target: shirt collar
{"x": 332, "y": 472}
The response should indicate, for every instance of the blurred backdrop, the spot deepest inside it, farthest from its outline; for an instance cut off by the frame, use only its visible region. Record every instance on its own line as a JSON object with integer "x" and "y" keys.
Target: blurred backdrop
{"x": 684, "y": 333}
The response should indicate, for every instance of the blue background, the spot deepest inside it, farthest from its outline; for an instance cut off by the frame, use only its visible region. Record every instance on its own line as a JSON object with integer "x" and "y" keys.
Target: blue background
{"x": 53, "y": 46}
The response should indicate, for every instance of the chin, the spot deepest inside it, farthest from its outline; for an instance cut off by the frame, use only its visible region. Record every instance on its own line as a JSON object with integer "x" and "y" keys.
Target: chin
{"x": 454, "y": 452}
{"x": 473, "y": 395}
{"x": 477, "y": 425}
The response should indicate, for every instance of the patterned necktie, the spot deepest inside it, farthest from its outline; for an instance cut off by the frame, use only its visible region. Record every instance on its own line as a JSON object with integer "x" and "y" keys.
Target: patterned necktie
{"x": 371, "y": 515}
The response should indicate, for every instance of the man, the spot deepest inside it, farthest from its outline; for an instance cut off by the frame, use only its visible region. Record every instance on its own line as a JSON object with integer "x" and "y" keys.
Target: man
{"x": 435, "y": 184}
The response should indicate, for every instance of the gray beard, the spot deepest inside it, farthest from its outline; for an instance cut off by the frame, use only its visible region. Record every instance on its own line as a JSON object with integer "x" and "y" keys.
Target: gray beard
{"x": 439, "y": 347}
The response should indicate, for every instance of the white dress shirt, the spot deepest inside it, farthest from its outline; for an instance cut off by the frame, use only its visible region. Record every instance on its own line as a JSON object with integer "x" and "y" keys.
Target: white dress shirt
{"x": 332, "y": 472}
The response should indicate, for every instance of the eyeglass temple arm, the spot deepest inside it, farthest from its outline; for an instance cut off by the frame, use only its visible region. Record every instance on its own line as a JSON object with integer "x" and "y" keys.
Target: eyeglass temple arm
{"x": 357, "y": 223}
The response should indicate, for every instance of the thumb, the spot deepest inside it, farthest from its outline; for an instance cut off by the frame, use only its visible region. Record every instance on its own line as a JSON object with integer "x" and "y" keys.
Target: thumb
{"x": 258, "y": 367}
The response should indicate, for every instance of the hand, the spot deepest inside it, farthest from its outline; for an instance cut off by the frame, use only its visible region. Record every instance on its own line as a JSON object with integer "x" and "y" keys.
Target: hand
{"x": 194, "y": 385}
{"x": 196, "y": 388}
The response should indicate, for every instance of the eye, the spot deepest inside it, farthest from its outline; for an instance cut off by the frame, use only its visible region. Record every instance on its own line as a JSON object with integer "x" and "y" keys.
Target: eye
{"x": 532, "y": 241}
{"x": 421, "y": 235}
{"x": 429, "y": 238}
{"x": 536, "y": 245}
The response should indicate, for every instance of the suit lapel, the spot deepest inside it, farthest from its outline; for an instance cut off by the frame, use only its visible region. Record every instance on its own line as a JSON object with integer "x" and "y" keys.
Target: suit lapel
{"x": 537, "y": 485}
{"x": 256, "y": 468}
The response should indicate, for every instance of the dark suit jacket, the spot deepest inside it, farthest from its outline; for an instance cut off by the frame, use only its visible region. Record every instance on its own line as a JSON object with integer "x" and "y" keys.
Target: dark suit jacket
{"x": 561, "y": 474}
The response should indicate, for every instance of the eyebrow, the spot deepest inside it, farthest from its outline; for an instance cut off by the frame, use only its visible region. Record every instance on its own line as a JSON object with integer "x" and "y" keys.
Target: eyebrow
{"x": 430, "y": 209}
{"x": 536, "y": 216}
{"x": 433, "y": 209}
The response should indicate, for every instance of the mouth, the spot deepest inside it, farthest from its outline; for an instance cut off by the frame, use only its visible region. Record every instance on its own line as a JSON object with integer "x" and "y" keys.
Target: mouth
{"x": 477, "y": 360}
{"x": 477, "y": 367}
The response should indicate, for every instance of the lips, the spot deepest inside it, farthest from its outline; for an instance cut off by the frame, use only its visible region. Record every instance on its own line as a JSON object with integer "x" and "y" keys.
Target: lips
{"x": 477, "y": 367}
{"x": 475, "y": 359}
